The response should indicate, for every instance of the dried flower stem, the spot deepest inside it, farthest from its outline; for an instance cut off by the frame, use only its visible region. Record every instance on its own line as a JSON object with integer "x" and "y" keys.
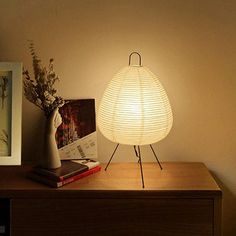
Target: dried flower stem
{"x": 3, "y": 86}
{"x": 4, "y": 137}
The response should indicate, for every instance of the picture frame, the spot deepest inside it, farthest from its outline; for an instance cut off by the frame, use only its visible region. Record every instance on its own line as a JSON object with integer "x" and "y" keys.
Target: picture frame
{"x": 76, "y": 136}
{"x": 10, "y": 112}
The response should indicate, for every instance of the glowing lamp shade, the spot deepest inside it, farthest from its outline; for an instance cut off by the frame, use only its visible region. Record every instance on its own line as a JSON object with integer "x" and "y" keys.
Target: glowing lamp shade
{"x": 135, "y": 109}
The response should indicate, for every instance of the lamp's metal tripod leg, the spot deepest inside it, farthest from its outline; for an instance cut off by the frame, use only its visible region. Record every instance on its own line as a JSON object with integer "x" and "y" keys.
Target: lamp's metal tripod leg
{"x": 112, "y": 156}
{"x": 140, "y": 164}
{"x": 156, "y": 157}
{"x": 136, "y": 153}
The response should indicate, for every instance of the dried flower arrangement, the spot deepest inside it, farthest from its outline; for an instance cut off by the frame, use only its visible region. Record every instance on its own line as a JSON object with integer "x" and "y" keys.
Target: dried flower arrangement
{"x": 4, "y": 137}
{"x": 3, "y": 89}
{"x": 40, "y": 90}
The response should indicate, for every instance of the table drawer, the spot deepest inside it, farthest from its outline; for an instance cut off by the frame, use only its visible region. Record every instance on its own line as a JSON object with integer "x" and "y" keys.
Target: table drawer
{"x": 151, "y": 216}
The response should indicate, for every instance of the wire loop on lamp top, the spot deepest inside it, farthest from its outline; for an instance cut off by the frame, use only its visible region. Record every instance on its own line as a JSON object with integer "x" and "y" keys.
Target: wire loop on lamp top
{"x": 131, "y": 56}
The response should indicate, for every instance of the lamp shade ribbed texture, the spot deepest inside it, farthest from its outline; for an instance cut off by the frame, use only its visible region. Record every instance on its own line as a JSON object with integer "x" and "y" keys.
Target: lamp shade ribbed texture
{"x": 135, "y": 109}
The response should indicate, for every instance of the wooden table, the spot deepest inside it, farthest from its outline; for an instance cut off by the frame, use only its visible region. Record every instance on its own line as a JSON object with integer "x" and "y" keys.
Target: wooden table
{"x": 181, "y": 200}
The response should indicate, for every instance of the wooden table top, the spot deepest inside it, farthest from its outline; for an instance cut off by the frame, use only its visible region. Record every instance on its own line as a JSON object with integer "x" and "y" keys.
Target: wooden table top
{"x": 175, "y": 177}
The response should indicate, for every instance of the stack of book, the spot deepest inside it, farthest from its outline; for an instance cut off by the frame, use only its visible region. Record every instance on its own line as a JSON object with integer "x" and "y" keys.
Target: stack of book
{"x": 69, "y": 172}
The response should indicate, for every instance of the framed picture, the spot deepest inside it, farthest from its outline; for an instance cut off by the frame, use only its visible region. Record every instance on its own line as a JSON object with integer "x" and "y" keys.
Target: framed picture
{"x": 76, "y": 136}
{"x": 10, "y": 113}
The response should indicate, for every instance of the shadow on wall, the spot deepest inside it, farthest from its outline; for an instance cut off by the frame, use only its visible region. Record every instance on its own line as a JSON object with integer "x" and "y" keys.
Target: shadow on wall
{"x": 229, "y": 208}
{"x": 32, "y": 135}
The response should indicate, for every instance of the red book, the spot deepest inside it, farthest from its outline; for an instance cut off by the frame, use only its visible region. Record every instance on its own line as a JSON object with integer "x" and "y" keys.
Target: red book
{"x": 57, "y": 184}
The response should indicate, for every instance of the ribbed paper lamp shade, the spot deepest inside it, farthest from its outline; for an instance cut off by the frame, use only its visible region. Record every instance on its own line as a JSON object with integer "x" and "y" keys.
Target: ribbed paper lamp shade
{"x": 135, "y": 109}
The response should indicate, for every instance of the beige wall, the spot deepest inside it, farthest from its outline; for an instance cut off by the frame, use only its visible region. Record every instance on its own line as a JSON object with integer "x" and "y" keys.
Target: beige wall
{"x": 190, "y": 44}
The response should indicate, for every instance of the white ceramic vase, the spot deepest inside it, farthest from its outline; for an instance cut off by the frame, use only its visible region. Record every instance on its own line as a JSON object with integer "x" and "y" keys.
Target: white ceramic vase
{"x": 51, "y": 158}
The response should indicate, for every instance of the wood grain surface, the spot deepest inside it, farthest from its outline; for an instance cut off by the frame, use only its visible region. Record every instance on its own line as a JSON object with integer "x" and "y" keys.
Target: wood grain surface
{"x": 182, "y": 199}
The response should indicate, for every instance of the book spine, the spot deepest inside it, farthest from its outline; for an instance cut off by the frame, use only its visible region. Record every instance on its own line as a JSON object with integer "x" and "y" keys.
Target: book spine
{"x": 46, "y": 174}
{"x": 77, "y": 177}
{"x": 41, "y": 179}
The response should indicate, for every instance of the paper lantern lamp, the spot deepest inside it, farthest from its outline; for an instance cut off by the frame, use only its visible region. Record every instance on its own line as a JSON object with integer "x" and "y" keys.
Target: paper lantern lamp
{"x": 135, "y": 109}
